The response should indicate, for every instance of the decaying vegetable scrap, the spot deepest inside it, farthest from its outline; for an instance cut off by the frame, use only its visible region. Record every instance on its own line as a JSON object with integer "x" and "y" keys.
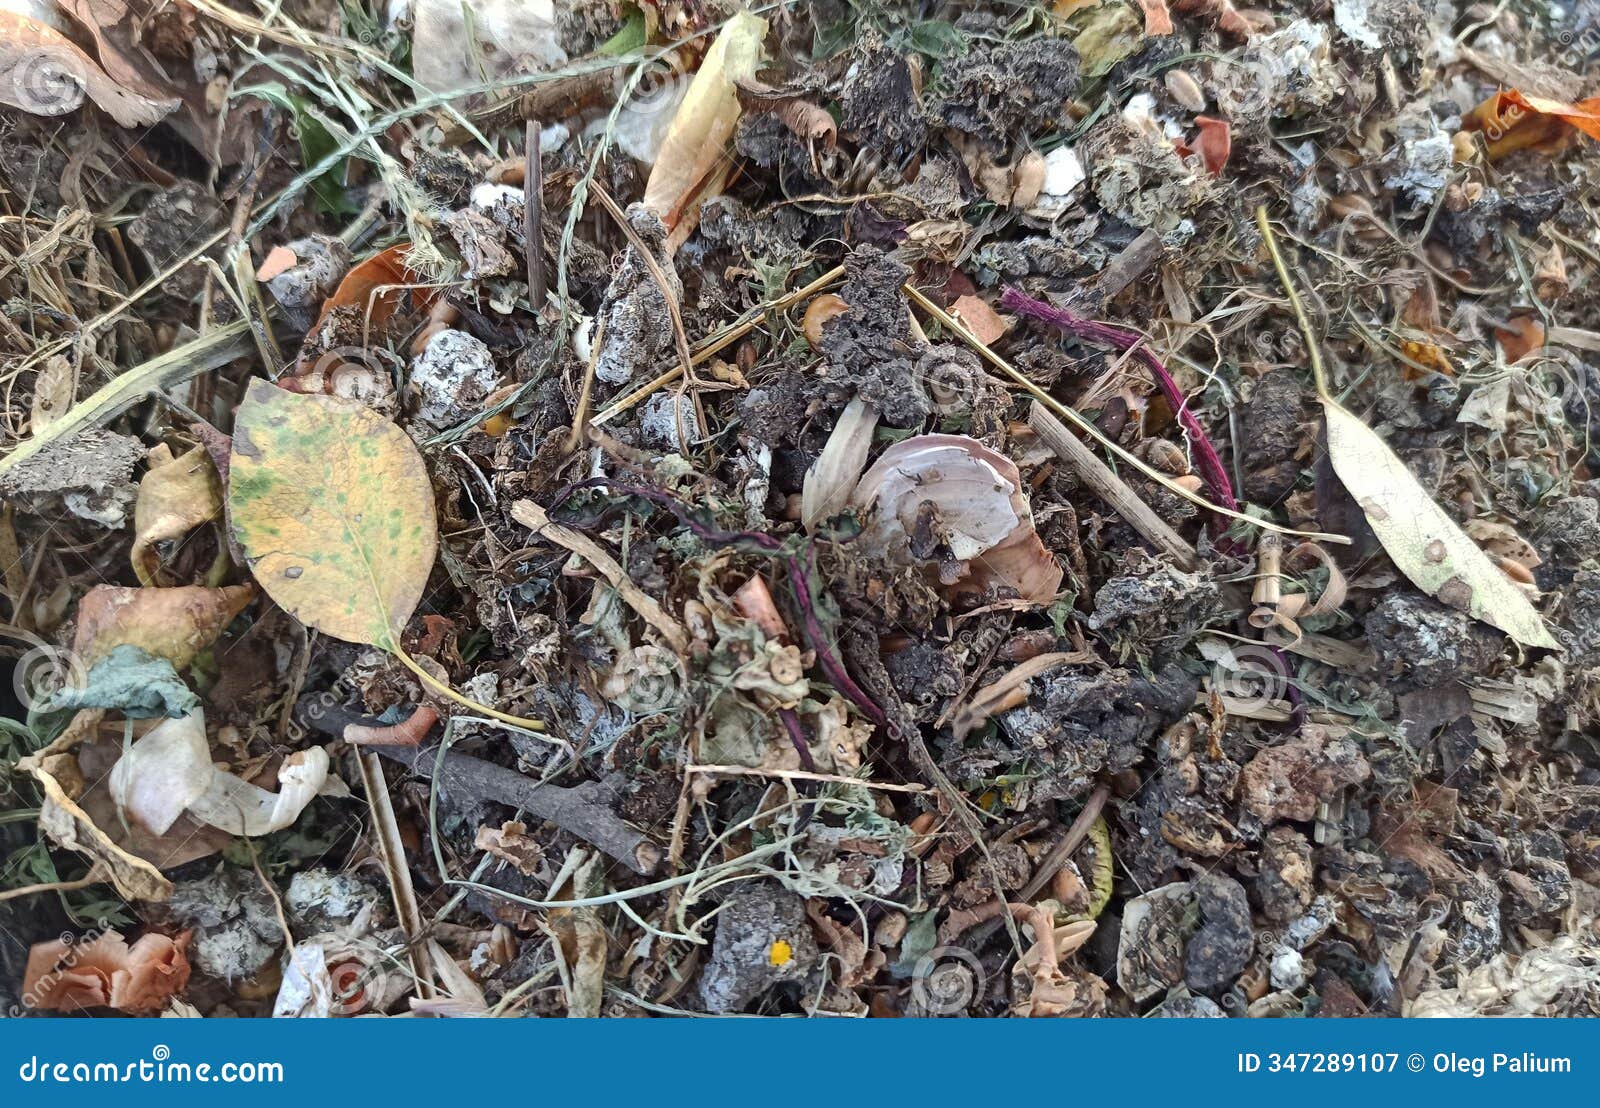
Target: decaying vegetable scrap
{"x": 637, "y": 508}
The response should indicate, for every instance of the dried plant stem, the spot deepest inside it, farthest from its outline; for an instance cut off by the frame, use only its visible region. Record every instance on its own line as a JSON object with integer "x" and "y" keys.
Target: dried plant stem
{"x": 803, "y": 775}
{"x": 586, "y": 393}
{"x": 720, "y": 342}
{"x": 1313, "y": 347}
{"x": 444, "y": 690}
{"x": 960, "y": 331}
{"x": 1110, "y": 488}
{"x": 93, "y": 877}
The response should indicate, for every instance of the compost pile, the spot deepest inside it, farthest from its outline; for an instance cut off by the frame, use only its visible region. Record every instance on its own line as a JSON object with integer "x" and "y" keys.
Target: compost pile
{"x": 646, "y": 507}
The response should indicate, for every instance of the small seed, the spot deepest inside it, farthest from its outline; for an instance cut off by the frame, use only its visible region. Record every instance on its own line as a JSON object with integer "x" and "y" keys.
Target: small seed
{"x": 1188, "y": 481}
{"x": 1165, "y": 455}
{"x": 1515, "y": 570}
{"x": 1185, "y": 90}
{"x": 818, "y": 312}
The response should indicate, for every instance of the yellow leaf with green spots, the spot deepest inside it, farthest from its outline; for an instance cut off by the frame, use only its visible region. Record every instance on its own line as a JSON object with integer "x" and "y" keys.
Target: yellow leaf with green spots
{"x": 333, "y": 509}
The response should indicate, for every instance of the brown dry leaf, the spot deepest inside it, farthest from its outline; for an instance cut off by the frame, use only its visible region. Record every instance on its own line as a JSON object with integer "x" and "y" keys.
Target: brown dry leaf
{"x": 53, "y": 391}
{"x": 279, "y": 259}
{"x": 105, "y": 972}
{"x": 175, "y": 624}
{"x": 857, "y": 963}
{"x": 982, "y": 320}
{"x": 1424, "y": 542}
{"x": 45, "y": 73}
{"x": 511, "y": 842}
{"x": 1522, "y": 335}
{"x": 176, "y": 495}
{"x": 693, "y": 163}
{"x": 1511, "y": 120}
{"x": 380, "y": 286}
{"x": 70, "y": 827}
{"x": 332, "y": 506}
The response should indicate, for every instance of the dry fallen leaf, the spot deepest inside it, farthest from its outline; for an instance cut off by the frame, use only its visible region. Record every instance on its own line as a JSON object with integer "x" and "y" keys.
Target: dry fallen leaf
{"x": 53, "y": 390}
{"x": 70, "y": 827}
{"x": 1424, "y": 542}
{"x": 1522, "y": 335}
{"x": 983, "y": 321}
{"x": 1511, "y": 120}
{"x": 333, "y": 509}
{"x": 45, "y": 73}
{"x": 175, "y": 624}
{"x": 693, "y": 163}
{"x": 176, "y": 495}
{"x": 381, "y": 286}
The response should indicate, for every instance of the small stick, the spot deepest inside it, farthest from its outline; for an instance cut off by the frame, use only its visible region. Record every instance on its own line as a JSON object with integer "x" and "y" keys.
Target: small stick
{"x": 391, "y": 853}
{"x": 1110, "y": 488}
{"x": 533, "y": 517}
{"x": 719, "y": 342}
{"x": 533, "y": 216}
{"x": 804, "y": 775}
{"x": 580, "y": 809}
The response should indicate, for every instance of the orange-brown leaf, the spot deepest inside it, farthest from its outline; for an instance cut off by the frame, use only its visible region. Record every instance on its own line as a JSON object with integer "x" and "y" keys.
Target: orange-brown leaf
{"x": 1512, "y": 120}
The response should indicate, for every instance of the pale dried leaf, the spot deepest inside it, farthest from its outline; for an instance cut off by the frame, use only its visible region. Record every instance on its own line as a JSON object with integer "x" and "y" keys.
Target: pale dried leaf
{"x": 1423, "y": 541}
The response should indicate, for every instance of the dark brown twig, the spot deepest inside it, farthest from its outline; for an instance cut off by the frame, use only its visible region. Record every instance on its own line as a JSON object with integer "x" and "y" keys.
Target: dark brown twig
{"x": 533, "y": 217}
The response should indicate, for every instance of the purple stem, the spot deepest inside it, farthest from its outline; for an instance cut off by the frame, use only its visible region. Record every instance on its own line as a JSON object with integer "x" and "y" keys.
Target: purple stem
{"x": 797, "y": 735}
{"x": 1126, "y": 339}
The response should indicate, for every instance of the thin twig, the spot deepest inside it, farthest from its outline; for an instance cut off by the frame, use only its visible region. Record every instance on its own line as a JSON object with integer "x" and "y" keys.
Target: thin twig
{"x": 533, "y": 217}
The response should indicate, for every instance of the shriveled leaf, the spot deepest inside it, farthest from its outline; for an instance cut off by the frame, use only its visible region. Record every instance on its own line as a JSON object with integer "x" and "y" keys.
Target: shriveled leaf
{"x": 1511, "y": 121}
{"x": 53, "y": 390}
{"x": 44, "y": 72}
{"x": 333, "y": 509}
{"x": 175, "y": 624}
{"x": 693, "y": 164}
{"x": 379, "y": 286}
{"x": 1424, "y": 542}
{"x": 176, "y": 495}
{"x": 70, "y": 827}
